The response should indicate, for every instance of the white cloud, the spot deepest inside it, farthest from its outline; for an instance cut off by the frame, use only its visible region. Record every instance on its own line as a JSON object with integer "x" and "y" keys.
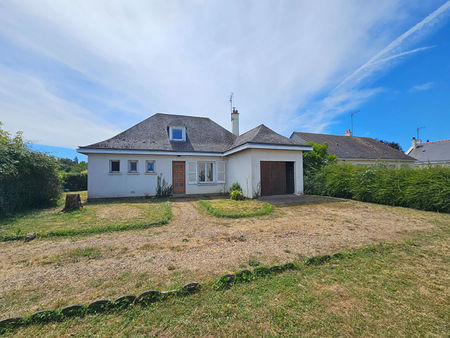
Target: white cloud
{"x": 186, "y": 57}
{"x": 422, "y": 87}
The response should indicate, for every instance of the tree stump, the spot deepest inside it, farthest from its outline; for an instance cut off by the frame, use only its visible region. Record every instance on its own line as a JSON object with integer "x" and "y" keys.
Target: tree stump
{"x": 73, "y": 202}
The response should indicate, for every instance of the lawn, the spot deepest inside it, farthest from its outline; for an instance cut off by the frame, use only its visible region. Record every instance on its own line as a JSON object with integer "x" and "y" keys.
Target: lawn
{"x": 398, "y": 289}
{"x": 95, "y": 217}
{"x": 236, "y": 209}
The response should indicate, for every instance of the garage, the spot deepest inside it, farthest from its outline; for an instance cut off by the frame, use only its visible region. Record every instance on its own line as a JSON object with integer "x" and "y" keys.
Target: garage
{"x": 277, "y": 178}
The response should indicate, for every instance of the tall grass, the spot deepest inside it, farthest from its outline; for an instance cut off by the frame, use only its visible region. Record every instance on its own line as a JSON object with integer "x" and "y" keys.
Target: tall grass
{"x": 419, "y": 188}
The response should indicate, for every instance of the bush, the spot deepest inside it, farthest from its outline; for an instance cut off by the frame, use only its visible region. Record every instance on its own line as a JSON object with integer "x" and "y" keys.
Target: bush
{"x": 236, "y": 186}
{"x": 236, "y": 195}
{"x": 74, "y": 181}
{"x": 420, "y": 188}
{"x": 163, "y": 189}
{"x": 28, "y": 179}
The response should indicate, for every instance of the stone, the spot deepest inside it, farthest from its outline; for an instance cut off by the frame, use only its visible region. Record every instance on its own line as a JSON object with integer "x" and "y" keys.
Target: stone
{"x": 72, "y": 310}
{"x": 30, "y": 236}
{"x": 169, "y": 293}
{"x": 43, "y": 316}
{"x": 275, "y": 268}
{"x": 100, "y": 305}
{"x": 11, "y": 322}
{"x": 125, "y": 301}
{"x": 191, "y": 287}
{"x": 148, "y": 297}
{"x": 73, "y": 202}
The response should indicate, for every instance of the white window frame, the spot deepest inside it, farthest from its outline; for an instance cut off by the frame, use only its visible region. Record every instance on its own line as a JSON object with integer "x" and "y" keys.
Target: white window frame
{"x": 146, "y": 166}
{"x": 213, "y": 172}
{"x": 110, "y": 167}
{"x": 183, "y": 134}
{"x": 129, "y": 167}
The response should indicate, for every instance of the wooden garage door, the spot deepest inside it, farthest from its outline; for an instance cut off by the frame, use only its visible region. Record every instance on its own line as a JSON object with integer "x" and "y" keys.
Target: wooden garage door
{"x": 273, "y": 178}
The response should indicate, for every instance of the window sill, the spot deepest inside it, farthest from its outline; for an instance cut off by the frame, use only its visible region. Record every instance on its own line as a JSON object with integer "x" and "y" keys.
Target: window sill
{"x": 133, "y": 173}
{"x": 207, "y": 183}
{"x": 113, "y": 173}
{"x": 150, "y": 173}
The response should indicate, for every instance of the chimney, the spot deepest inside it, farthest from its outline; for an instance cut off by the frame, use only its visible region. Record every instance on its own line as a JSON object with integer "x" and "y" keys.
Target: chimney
{"x": 414, "y": 143}
{"x": 235, "y": 121}
{"x": 348, "y": 132}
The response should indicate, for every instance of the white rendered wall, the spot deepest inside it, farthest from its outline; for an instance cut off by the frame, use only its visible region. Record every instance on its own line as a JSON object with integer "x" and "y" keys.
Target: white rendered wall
{"x": 103, "y": 184}
{"x": 239, "y": 170}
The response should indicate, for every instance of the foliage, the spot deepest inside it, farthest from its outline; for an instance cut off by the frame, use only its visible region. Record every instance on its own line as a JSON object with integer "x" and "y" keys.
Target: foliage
{"x": 425, "y": 188}
{"x": 236, "y": 186}
{"x": 71, "y": 166}
{"x": 237, "y": 209}
{"x": 28, "y": 179}
{"x": 314, "y": 160}
{"x": 236, "y": 195}
{"x": 163, "y": 189}
{"x": 393, "y": 144}
{"x": 75, "y": 181}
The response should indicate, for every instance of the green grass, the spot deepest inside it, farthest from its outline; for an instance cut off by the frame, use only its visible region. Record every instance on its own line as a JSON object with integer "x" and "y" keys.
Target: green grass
{"x": 236, "y": 209}
{"x": 95, "y": 217}
{"x": 384, "y": 290}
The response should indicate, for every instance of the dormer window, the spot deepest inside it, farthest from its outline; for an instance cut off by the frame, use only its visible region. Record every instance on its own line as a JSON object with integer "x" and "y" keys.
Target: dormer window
{"x": 177, "y": 133}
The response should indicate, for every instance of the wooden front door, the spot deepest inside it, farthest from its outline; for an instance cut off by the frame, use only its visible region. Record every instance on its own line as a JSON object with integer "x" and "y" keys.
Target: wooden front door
{"x": 179, "y": 177}
{"x": 273, "y": 178}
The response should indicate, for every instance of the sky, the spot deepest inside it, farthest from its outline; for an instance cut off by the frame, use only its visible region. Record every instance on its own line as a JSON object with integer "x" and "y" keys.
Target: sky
{"x": 78, "y": 72}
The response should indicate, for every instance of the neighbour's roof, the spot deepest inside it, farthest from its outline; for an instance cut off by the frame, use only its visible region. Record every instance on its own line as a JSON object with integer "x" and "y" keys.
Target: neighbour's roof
{"x": 352, "y": 147}
{"x": 202, "y": 135}
{"x": 432, "y": 151}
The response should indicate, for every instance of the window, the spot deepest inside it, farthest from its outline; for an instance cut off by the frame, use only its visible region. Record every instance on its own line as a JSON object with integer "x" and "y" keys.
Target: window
{"x": 177, "y": 133}
{"x": 132, "y": 166}
{"x": 150, "y": 166}
{"x": 114, "y": 166}
{"x": 205, "y": 172}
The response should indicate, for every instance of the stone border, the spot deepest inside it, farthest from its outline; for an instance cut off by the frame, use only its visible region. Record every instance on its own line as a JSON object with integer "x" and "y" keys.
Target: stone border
{"x": 152, "y": 296}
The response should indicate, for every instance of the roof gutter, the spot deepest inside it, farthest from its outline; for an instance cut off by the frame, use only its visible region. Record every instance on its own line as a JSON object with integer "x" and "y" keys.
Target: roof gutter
{"x": 87, "y": 151}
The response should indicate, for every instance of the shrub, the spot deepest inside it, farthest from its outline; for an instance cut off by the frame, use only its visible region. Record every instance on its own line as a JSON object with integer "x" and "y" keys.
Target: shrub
{"x": 28, "y": 179}
{"x": 420, "y": 188}
{"x": 163, "y": 189}
{"x": 236, "y": 195}
{"x": 236, "y": 186}
{"x": 74, "y": 181}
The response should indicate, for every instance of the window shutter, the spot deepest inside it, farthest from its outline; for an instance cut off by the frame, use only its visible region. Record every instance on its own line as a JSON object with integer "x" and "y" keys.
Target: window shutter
{"x": 192, "y": 172}
{"x": 220, "y": 171}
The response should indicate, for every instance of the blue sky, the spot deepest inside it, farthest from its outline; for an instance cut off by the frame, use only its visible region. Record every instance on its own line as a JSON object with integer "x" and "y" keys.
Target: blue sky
{"x": 76, "y": 73}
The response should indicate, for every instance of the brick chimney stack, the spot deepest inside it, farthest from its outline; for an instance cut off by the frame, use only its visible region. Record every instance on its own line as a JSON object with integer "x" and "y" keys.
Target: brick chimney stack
{"x": 348, "y": 132}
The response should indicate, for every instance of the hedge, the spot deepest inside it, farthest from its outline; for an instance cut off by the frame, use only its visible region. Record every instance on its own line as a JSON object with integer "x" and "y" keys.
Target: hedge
{"x": 28, "y": 179}
{"x": 425, "y": 188}
{"x": 74, "y": 181}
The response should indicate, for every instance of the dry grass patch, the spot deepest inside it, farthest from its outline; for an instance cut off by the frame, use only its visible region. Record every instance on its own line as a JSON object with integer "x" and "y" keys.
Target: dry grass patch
{"x": 95, "y": 217}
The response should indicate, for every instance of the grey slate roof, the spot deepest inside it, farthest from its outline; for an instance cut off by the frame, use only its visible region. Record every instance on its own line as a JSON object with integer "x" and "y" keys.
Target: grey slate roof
{"x": 202, "y": 135}
{"x": 352, "y": 147}
{"x": 432, "y": 151}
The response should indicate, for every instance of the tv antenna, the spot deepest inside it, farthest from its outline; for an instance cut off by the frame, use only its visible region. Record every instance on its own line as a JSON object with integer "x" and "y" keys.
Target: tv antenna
{"x": 351, "y": 118}
{"x": 418, "y": 129}
{"x": 231, "y": 102}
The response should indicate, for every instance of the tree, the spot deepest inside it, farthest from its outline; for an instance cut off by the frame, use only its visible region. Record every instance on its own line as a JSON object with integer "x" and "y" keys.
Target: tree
{"x": 393, "y": 144}
{"x": 315, "y": 160}
{"x": 27, "y": 178}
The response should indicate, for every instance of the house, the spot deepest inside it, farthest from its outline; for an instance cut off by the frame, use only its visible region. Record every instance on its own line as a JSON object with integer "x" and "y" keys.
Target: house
{"x": 357, "y": 150}
{"x": 426, "y": 153}
{"x": 196, "y": 156}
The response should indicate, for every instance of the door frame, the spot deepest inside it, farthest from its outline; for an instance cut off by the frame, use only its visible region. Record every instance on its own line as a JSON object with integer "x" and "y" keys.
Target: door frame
{"x": 184, "y": 177}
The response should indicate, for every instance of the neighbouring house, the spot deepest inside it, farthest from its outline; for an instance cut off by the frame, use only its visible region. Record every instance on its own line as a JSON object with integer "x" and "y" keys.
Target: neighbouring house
{"x": 430, "y": 153}
{"x": 357, "y": 150}
{"x": 196, "y": 156}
